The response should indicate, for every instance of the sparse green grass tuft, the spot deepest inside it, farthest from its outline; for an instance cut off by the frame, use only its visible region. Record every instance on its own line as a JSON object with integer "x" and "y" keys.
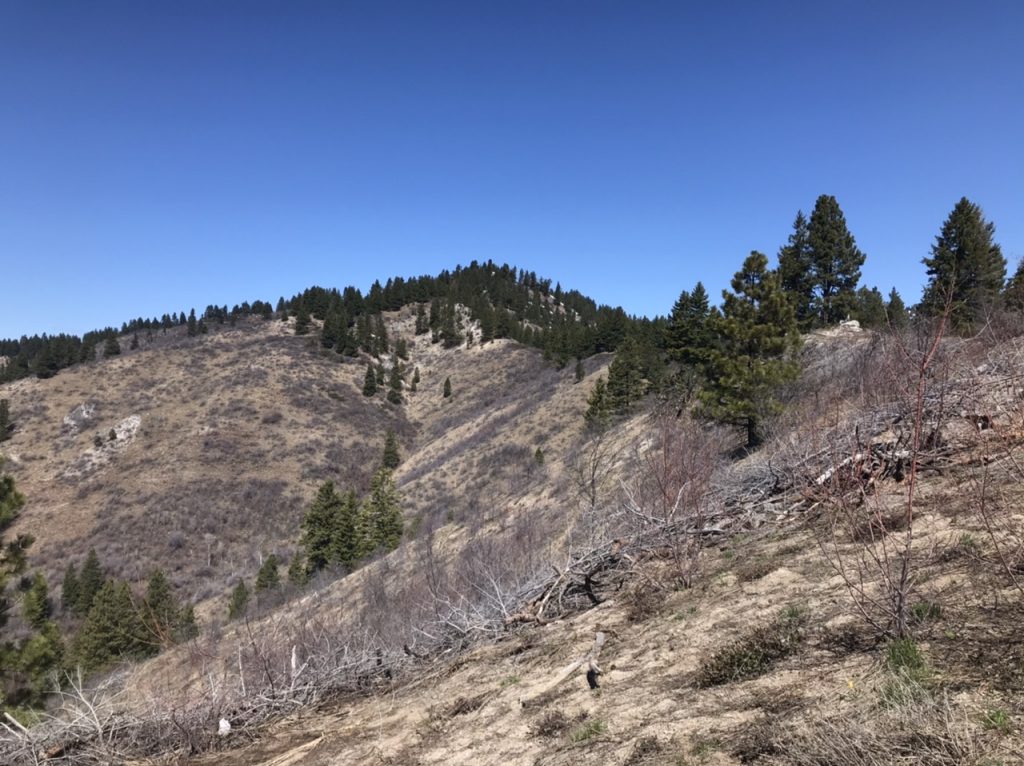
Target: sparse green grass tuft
{"x": 754, "y": 654}
{"x": 996, "y": 720}
{"x": 925, "y": 611}
{"x": 588, "y": 731}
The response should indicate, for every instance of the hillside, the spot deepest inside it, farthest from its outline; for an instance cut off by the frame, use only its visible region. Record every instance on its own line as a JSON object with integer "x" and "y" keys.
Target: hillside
{"x": 221, "y": 441}
{"x": 739, "y": 600}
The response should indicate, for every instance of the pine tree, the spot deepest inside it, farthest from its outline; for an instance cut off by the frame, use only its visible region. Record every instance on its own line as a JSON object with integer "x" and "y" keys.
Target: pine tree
{"x": 625, "y": 378}
{"x": 422, "y": 323}
{"x": 90, "y": 580}
{"x": 686, "y": 336}
{"x": 579, "y": 372}
{"x": 966, "y": 269}
{"x": 835, "y": 261}
{"x": 383, "y": 513}
{"x": 302, "y": 320}
{"x": 449, "y": 332}
{"x": 796, "y": 272}
{"x": 12, "y": 552}
{"x": 369, "y": 381}
{"x": 238, "y": 604}
{"x": 391, "y": 458}
{"x": 35, "y": 605}
{"x": 297, "y": 573}
{"x": 161, "y": 612}
{"x": 69, "y": 590}
{"x": 111, "y": 347}
{"x": 193, "y": 325}
{"x": 1013, "y": 299}
{"x": 598, "y": 406}
{"x": 896, "y": 311}
{"x": 331, "y": 331}
{"x": 318, "y": 527}
{"x": 187, "y": 628}
{"x": 415, "y": 379}
{"x": 267, "y": 578}
{"x": 112, "y": 630}
{"x": 870, "y": 308}
{"x": 447, "y": 391}
{"x": 347, "y": 543}
{"x": 395, "y": 384}
{"x": 5, "y": 420}
{"x": 756, "y": 341}
{"x": 35, "y": 662}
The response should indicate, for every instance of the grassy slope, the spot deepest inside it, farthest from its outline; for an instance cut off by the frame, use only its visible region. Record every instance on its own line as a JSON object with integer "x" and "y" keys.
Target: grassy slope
{"x": 205, "y": 399}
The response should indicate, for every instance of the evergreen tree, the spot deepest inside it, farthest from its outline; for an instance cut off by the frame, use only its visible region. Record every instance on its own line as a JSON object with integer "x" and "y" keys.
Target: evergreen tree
{"x": 161, "y": 612}
{"x": 756, "y": 340}
{"x": 686, "y": 336}
{"x": 580, "y": 371}
{"x": 966, "y": 269}
{"x": 267, "y": 578}
{"x": 415, "y": 379}
{"x": 90, "y": 581}
{"x": 347, "y": 543}
{"x": 796, "y": 271}
{"x": 449, "y": 332}
{"x": 422, "y": 323}
{"x": 447, "y": 391}
{"x": 302, "y": 320}
{"x": 238, "y": 604}
{"x": 111, "y": 347}
{"x": 379, "y": 372}
{"x": 5, "y": 420}
{"x": 35, "y": 661}
{"x": 870, "y": 308}
{"x": 1013, "y": 299}
{"x": 383, "y": 513}
{"x": 318, "y": 527}
{"x": 380, "y": 336}
{"x": 391, "y": 457}
{"x": 35, "y": 605}
{"x": 598, "y": 406}
{"x": 193, "y": 325}
{"x": 297, "y": 574}
{"x": 331, "y": 331}
{"x": 625, "y": 378}
{"x": 369, "y": 381}
{"x": 402, "y": 349}
{"x": 112, "y": 630}
{"x": 187, "y": 628}
{"x": 896, "y": 312}
{"x": 395, "y": 384}
{"x": 69, "y": 590}
{"x": 835, "y": 261}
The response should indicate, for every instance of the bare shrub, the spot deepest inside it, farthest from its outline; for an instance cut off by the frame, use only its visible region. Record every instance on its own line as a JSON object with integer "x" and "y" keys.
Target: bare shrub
{"x": 865, "y": 538}
{"x": 667, "y": 494}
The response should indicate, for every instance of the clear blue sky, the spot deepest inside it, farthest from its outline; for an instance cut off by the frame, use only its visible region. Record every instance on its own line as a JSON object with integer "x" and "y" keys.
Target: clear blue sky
{"x": 156, "y": 156}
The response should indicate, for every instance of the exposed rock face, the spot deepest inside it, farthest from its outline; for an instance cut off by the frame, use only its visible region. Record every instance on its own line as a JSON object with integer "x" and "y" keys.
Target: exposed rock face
{"x": 100, "y": 454}
{"x": 79, "y": 417}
